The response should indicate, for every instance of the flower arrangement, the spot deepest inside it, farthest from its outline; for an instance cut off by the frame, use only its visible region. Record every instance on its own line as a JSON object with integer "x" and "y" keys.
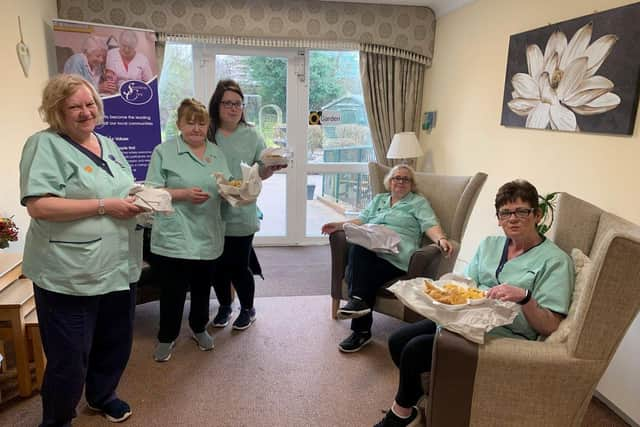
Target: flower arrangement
{"x": 8, "y": 232}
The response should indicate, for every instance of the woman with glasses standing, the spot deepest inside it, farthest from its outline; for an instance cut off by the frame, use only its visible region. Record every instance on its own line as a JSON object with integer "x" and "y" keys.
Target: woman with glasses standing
{"x": 522, "y": 266}
{"x": 408, "y": 214}
{"x": 240, "y": 143}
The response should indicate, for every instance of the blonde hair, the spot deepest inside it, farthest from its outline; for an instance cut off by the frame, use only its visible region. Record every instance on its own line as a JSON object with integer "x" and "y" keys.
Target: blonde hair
{"x": 409, "y": 169}
{"x": 56, "y": 92}
{"x": 192, "y": 109}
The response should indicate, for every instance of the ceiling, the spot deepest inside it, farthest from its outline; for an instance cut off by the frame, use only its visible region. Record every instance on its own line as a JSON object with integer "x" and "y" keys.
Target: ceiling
{"x": 440, "y": 7}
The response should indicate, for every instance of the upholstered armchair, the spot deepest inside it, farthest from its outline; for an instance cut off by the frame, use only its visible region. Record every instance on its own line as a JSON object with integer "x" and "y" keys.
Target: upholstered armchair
{"x": 509, "y": 382}
{"x": 452, "y": 199}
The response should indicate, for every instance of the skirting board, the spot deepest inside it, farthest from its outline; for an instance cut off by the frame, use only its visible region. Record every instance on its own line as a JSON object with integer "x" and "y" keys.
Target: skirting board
{"x": 615, "y": 409}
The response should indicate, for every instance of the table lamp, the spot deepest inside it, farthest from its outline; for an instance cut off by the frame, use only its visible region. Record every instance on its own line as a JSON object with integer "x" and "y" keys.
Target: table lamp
{"x": 404, "y": 145}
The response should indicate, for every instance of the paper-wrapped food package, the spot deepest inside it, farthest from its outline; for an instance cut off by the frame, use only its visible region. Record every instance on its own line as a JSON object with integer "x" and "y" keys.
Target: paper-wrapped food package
{"x": 274, "y": 156}
{"x": 243, "y": 191}
{"x": 464, "y": 311}
{"x": 375, "y": 237}
{"x": 152, "y": 199}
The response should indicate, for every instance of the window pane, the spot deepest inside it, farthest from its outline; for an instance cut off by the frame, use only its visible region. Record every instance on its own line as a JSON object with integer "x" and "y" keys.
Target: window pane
{"x": 176, "y": 83}
{"x": 272, "y": 202}
{"x": 336, "y": 91}
{"x": 263, "y": 80}
{"x": 335, "y": 197}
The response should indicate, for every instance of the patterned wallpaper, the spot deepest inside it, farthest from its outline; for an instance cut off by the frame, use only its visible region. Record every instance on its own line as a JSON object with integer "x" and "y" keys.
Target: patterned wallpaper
{"x": 403, "y": 27}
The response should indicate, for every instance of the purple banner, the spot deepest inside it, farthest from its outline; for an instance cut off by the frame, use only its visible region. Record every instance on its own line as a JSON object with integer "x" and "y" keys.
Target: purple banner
{"x": 120, "y": 62}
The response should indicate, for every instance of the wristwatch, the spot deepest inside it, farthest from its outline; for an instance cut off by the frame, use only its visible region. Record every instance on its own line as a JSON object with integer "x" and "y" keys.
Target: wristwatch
{"x": 100, "y": 206}
{"x": 527, "y": 297}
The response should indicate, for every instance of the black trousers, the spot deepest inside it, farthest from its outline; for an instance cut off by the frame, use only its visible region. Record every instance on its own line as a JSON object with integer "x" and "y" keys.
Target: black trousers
{"x": 234, "y": 269}
{"x": 177, "y": 276}
{"x": 367, "y": 273}
{"x": 411, "y": 350}
{"x": 87, "y": 341}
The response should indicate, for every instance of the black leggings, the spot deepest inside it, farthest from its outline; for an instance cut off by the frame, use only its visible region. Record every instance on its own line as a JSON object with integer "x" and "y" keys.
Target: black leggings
{"x": 367, "y": 273}
{"x": 234, "y": 268}
{"x": 411, "y": 347}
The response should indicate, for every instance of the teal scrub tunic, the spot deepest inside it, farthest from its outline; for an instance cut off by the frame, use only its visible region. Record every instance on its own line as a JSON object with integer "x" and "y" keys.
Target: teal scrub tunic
{"x": 88, "y": 256}
{"x": 545, "y": 270}
{"x": 410, "y": 217}
{"x": 244, "y": 145}
{"x": 192, "y": 231}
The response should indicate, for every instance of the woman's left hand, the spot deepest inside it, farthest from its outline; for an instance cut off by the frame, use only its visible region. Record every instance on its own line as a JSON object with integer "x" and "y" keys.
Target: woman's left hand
{"x": 445, "y": 246}
{"x": 505, "y": 292}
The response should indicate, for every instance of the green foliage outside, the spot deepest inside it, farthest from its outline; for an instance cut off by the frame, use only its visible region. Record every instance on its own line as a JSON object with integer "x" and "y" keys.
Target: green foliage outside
{"x": 176, "y": 83}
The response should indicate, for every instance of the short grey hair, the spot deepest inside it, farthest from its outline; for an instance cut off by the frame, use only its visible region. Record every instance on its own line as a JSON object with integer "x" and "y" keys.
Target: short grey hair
{"x": 92, "y": 43}
{"x": 128, "y": 38}
{"x": 392, "y": 172}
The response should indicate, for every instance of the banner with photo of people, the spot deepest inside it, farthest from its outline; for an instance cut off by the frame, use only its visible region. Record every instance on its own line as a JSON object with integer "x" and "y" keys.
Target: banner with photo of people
{"x": 121, "y": 63}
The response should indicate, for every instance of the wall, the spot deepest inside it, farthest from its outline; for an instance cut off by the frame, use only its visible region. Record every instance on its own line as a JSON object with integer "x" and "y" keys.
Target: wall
{"x": 21, "y": 95}
{"x": 465, "y": 86}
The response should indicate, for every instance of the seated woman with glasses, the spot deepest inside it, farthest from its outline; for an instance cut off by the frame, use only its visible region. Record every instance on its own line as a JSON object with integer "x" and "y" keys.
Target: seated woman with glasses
{"x": 522, "y": 266}
{"x": 408, "y": 214}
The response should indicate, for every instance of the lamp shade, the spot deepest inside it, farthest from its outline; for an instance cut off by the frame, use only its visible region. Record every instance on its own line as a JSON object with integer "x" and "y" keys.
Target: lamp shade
{"x": 404, "y": 145}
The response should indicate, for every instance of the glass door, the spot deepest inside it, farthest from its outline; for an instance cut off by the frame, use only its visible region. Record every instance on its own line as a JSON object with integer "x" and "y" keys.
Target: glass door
{"x": 285, "y": 92}
{"x": 270, "y": 86}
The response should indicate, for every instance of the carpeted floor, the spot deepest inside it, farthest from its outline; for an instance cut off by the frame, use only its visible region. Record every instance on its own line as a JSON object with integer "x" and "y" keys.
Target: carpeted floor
{"x": 283, "y": 371}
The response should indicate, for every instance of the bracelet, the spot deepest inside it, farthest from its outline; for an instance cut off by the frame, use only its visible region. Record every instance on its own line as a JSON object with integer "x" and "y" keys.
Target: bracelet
{"x": 527, "y": 297}
{"x": 442, "y": 238}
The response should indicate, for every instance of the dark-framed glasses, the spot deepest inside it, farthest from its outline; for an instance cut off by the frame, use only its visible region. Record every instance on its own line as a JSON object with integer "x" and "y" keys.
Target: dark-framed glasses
{"x": 518, "y": 212}
{"x": 400, "y": 179}
{"x": 231, "y": 104}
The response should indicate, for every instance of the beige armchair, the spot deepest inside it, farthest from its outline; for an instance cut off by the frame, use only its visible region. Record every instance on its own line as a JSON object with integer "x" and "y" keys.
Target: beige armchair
{"x": 508, "y": 382}
{"x": 452, "y": 199}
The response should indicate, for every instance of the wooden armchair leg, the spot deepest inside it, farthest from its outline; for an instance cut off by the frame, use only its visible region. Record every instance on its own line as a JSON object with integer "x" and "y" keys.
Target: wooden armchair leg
{"x": 335, "y": 305}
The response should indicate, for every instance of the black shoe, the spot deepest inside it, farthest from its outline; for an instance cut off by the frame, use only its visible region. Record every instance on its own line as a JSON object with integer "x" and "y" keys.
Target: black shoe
{"x": 355, "y": 342}
{"x": 392, "y": 420}
{"x": 222, "y": 318}
{"x": 245, "y": 319}
{"x": 353, "y": 309}
{"x": 115, "y": 410}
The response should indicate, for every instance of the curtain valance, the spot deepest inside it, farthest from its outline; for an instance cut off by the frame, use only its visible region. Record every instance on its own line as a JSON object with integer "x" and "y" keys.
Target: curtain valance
{"x": 399, "y": 29}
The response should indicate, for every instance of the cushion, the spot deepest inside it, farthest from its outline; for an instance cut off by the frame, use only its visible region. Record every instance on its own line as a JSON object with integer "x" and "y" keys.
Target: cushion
{"x": 582, "y": 265}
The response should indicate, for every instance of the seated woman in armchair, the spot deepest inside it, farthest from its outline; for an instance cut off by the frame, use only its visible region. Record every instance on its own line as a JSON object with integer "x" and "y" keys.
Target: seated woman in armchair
{"x": 522, "y": 266}
{"x": 405, "y": 212}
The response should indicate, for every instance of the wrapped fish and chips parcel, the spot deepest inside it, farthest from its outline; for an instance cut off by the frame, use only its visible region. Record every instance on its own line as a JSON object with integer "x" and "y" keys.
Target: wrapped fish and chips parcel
{"x": 455, "y": 305}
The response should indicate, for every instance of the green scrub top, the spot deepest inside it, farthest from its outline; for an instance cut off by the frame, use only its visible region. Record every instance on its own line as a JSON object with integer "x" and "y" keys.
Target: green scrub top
{"x": 545, "y": 270}
{"x": 192, "y": 231}
{"x": 244, "y": 145}
{"x": 88, "y": 256}
{"x": 410, "y": 217}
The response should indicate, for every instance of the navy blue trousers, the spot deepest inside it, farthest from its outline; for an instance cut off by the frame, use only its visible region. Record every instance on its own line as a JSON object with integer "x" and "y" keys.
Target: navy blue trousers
{"x": 87, "y": 341}
{"x": 367, "y": 272}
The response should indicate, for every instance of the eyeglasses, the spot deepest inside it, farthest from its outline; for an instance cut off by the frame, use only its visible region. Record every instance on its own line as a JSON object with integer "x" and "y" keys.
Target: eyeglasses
{"x": 519, "y": 212}
{"x": 400, "y": 179}
{"x": 230, "y": 104}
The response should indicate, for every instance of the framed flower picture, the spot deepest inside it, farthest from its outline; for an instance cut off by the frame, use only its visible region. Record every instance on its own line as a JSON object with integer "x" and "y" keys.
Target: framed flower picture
{"x": 579, "y": 75}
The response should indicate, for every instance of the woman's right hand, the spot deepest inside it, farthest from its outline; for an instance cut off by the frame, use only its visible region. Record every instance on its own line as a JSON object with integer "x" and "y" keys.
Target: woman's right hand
{"x": 331, "y": 227}
{"x": 122, "y": 208}
{"x": 195, "y": 195}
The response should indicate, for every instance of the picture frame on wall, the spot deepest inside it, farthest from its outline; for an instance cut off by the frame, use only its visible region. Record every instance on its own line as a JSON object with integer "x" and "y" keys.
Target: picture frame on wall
{"x": 579, "y": 75}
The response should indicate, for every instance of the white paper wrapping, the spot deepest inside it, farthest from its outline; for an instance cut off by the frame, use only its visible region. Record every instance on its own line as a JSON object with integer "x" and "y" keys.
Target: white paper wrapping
{"x": 375, "y": 237}
{"x": 248, "y": 191}
{"x": 274, "y": 156}
{"x": 470, "y": 321}
{"x": 151, "y": 199}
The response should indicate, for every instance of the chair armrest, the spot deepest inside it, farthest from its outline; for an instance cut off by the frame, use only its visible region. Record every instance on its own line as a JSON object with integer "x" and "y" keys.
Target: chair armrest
{"x": 429, "y": 261}
{"x": 339, "y": 251}
{"x": 507, "y": 370}
{"x": 453, "y": 370}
